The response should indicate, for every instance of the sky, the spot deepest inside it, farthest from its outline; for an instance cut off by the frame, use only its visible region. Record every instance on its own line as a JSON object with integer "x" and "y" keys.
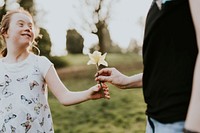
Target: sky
{"x": 57, "y": 16}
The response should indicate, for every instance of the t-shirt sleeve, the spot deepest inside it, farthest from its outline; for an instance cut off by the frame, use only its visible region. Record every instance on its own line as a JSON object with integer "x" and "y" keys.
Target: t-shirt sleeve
{"x": 45, "y": 64}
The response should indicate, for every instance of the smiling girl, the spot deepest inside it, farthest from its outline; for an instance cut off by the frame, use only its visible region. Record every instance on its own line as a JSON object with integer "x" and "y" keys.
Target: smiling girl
{"x": 24, "y": 78}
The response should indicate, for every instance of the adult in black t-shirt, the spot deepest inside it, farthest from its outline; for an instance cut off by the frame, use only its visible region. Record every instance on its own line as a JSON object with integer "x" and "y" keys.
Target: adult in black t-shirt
{"x": 170, "y": 53}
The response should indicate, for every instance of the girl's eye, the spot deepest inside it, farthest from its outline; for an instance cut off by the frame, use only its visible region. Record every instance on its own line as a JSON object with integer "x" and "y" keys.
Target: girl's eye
{"x": 30, "y": 26}
{"x": 21, "y": 24}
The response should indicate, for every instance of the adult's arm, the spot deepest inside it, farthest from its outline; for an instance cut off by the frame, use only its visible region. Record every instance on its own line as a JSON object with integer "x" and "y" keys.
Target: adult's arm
{"x": 193, "y": 116}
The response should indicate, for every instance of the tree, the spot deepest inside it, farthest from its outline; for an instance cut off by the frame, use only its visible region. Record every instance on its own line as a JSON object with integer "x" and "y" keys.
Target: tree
{"x": 44, "y": 43}
{"x": 134, "y": 46}
{"x": 99, "y": 11}
{"x": 102, "y": 29}
{"x": 28, "y": 5}
{"x": 74, "y": 42}
{"x": 2, "y": 11}
{"x": 104, "y": 36}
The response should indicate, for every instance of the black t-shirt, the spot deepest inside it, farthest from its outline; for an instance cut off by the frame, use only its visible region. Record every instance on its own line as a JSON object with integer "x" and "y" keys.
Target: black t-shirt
{"x": 169, "y": 56}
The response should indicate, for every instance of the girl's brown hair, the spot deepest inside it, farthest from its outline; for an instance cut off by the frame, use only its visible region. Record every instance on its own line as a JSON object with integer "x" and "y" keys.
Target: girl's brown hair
{"x": 4, "y": 26}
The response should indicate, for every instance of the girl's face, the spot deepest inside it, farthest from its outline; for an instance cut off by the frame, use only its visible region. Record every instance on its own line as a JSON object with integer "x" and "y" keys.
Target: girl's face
{"x": 20, "y": 31}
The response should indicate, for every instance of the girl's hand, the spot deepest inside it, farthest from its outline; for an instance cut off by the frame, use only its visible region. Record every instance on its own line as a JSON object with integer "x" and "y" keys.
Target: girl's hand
{"x": 99, "y": 91}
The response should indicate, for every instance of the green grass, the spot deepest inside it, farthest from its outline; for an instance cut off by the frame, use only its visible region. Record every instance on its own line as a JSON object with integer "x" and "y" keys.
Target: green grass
{"x": 123, "y": 113}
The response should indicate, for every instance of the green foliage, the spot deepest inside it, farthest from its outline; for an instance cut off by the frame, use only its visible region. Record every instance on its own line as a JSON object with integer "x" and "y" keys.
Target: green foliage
{"x": 2, "y": 11}
{"x": 115, "y": 49}
{"x": 58, "y": 61}
{"x": 74, "y": 42}
{"x": 28, "y": 5}
{"x": 44, "y": 43}
{"x": 123, "y": 113}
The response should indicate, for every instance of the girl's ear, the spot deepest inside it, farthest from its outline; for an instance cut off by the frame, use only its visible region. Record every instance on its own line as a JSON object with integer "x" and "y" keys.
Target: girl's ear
{"x": 5, "y": 34}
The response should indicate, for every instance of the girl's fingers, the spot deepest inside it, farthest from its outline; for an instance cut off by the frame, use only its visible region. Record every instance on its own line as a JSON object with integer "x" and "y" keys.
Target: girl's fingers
{"x": 97, "y": 74}
{"x": 107, "y": 96}
{"x": 105, "y": 93}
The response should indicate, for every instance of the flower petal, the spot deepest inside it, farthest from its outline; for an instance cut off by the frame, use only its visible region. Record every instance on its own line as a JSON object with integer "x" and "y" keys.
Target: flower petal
{"x": 102, "y": 62}
{"x": 91, "y": 62}
{"x": 97, "y": 53}
{"x": 104, "y": 56}
{"x": 90, "y": 56}
{"x": 97, "y": 58}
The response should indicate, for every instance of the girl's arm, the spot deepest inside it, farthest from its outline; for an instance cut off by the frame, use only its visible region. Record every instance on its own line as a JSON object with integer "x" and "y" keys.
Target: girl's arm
{"x": 193, "y": 116}
{"x": 67, "y": 97}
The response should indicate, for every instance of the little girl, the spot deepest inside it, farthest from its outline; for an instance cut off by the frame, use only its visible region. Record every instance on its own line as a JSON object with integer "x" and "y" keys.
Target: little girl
{"x": 24, "y": 78}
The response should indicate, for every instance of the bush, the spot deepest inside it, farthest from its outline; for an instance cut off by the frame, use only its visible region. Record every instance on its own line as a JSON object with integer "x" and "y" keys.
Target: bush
{"x": 58, "y": 61}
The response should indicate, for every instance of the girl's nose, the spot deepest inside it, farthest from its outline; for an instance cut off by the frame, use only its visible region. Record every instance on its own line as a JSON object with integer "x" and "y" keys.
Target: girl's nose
{"x": 28, "y": 29}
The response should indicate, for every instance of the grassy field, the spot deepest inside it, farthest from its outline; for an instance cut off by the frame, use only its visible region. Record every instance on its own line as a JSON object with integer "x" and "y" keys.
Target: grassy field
{"x": 123, "y": 113}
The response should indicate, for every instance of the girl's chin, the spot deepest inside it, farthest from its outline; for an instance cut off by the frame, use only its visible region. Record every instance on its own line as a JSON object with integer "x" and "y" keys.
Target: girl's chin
{"x": 26, "y": 44}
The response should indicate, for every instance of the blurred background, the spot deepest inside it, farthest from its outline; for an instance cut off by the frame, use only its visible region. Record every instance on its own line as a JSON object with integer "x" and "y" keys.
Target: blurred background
{"x": 69, "y": 29}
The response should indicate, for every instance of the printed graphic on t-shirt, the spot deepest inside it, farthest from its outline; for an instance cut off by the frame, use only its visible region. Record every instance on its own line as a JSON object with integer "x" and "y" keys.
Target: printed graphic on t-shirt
{"x": 23, "y": 104}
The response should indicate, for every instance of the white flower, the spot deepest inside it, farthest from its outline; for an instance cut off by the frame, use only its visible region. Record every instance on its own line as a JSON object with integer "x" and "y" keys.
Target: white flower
{"x": 97, "y": 58}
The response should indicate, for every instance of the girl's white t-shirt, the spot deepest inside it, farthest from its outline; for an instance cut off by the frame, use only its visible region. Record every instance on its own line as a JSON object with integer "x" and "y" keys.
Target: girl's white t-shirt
{"x": 24, "y": 105}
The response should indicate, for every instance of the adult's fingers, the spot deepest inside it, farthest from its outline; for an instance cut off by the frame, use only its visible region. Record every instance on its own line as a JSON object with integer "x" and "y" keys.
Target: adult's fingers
{"x": 103, "y": 78}
{"x": 105, "y": 71}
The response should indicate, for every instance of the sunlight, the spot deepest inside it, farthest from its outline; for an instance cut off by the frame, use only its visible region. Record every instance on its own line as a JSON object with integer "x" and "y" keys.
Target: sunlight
{"x": 123, "y": 24}
{"x": 2, "y": 3}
